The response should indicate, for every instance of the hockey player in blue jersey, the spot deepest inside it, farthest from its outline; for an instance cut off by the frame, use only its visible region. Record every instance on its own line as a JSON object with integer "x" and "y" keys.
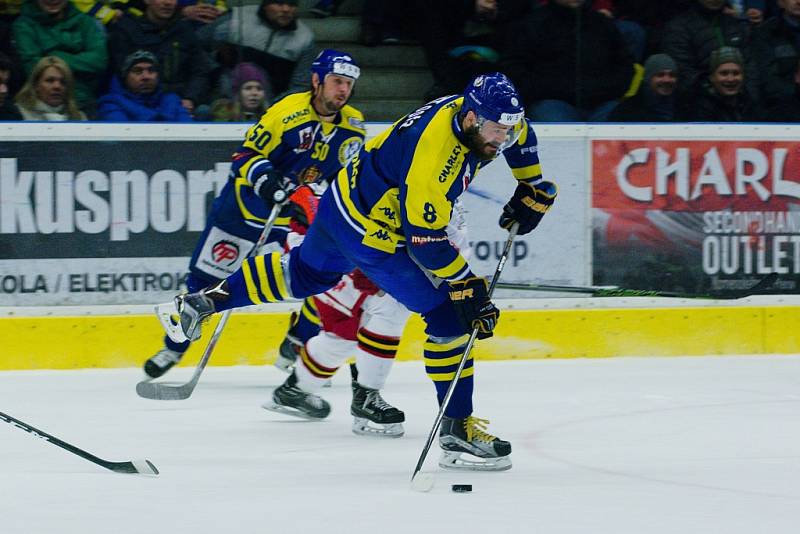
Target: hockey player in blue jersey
{"x": 387, "y": 213}
{"x": 304, "y": 138}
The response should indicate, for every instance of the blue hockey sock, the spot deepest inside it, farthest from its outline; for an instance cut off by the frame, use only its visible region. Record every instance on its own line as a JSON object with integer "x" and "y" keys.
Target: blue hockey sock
{"x": 441, "y": 361}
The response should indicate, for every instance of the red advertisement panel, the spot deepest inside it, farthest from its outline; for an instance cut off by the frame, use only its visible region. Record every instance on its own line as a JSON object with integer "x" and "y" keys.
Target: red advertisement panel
{"x": 695, "y": 215}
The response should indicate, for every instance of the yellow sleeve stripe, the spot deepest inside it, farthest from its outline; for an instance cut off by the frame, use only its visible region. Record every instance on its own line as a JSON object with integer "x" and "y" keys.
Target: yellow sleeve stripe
{"x": 448, "y": 377}
{"x": 524, "y": 173}
{"x": 246, "y": 213}
{"x": 252, "y": 292}
{"x": 430, "y": 346}
{"x": 456, "y": 266}
{"x": 277, "y": 273}
{"x": 444, "y": 362}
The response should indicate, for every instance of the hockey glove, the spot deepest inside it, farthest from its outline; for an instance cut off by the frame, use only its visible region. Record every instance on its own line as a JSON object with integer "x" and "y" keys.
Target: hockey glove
{"x": 470, "y": 299}
{"x": 528, "y": 206}
{"x": 273, "y": 187}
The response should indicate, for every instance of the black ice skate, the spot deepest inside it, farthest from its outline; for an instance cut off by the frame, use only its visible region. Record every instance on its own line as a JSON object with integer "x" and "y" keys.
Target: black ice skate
{"x": 182, "y": 318}
{"x": 373, "y": 415}
{"x": 459, "y": 437}
{"x": 163, "y": 361}
{"x": 288, "y": 352}
{"x": 291, "y": 400}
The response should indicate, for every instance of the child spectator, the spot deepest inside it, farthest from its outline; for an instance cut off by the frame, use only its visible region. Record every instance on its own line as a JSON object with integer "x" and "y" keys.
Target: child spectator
{"x": 250, "y": 96}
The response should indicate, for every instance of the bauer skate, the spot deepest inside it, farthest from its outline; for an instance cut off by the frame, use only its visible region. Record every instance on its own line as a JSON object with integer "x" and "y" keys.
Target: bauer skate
{"x": 291, "y": 400}
{"x": 163, "y": 361}
{"x": 183, "y": 317}
{"x": 373, "y": 416}
{"x": 484, "y": 452}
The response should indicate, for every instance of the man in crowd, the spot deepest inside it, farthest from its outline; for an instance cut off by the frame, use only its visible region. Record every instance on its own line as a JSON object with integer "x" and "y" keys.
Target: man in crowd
{"x": 655, "y": 99}
{"x": 137, "y": 96}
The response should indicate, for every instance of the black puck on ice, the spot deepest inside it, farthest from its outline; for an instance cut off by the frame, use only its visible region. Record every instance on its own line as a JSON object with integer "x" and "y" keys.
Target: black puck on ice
{"x": 461, "y": 488}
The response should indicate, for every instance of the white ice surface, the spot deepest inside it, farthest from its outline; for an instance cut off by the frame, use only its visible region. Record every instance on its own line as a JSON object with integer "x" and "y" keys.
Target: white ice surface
{"x": 634, "y": 445}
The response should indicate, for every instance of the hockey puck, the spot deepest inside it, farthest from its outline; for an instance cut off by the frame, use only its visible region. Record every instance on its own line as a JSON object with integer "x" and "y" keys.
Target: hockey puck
{"x": 461, "y": 488}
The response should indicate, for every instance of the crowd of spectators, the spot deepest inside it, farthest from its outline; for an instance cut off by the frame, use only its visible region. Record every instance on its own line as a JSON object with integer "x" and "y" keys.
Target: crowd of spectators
{"x": 572, "y": 60}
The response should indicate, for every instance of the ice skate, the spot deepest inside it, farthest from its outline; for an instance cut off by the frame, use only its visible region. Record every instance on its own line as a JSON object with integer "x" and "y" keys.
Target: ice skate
{"x": 161, "y": 362}
{"x": 182, "y": 318}
{"x": 291, "y": 400}
{"x": 287, "y": 353}
{"x": 466, "y": 445}
{"x": 373, "y": 416}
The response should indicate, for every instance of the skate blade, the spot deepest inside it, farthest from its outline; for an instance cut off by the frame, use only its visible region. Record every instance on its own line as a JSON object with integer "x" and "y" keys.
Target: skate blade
{"x": 466, "y": 462}
{"x": 272, "y": 406}
{"x": 168, "y": 316}
{"x": 365, "y": 427}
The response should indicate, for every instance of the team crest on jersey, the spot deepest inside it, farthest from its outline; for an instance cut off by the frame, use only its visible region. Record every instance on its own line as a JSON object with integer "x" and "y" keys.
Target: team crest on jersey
{"x": 349, "y": 149}
{"x": 306, "y": 138}
{"x": 310, "y": 175}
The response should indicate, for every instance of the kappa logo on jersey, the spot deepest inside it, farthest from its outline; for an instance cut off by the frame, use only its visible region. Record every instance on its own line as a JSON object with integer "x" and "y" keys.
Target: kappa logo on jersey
{"x": 388, "y": 213}
{"x": 225, "y": 252}
{"x": 306, "y": 139}
{"x": 450, "y": 164}
{"x": 349, "y": 149}
{"x": 381, "y": 234}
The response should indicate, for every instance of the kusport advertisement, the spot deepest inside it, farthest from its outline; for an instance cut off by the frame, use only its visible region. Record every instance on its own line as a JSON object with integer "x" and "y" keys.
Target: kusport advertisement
{"x": 86, "y": 218}
{"x": 695, "y": 215}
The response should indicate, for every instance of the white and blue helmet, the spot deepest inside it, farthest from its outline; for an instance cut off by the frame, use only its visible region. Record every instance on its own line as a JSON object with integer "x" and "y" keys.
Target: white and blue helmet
{"x": 331, "y": 61}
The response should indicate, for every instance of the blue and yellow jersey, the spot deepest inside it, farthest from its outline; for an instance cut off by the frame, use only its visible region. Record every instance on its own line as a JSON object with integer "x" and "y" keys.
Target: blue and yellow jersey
{"x": 401, "y": 189}
{"x": 291, "y": 138}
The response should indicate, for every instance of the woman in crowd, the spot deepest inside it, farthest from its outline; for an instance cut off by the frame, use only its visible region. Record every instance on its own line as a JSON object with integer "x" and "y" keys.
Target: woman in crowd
{"x": 49, "y": 93}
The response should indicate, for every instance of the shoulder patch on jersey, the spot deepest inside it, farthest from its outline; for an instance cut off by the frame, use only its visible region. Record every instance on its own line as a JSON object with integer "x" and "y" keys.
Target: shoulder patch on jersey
{"x": 355, "y": 122}
{"x": 349, "y": 149}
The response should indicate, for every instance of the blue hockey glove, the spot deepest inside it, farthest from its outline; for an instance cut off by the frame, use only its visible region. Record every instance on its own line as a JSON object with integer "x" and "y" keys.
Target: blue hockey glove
{"x": 273, "y": 187}
{"x": 470, "y": 298}
{"x": 528, "y": 206}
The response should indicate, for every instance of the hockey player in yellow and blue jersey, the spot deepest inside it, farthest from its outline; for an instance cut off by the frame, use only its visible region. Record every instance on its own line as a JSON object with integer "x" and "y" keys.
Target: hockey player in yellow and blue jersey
{"x": 304, "y": 138}
{"x": 387, "y": 213}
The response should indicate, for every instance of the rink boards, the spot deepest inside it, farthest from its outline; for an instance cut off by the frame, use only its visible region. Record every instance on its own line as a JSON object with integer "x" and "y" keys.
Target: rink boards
{"x": 557, "y": 328}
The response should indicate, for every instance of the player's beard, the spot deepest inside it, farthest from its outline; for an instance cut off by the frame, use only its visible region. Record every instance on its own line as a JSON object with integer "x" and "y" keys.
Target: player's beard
{"x": 476, "y": 143}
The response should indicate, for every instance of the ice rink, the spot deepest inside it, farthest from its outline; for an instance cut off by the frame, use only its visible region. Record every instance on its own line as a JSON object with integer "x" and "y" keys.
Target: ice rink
{"x": 625, "y": 445}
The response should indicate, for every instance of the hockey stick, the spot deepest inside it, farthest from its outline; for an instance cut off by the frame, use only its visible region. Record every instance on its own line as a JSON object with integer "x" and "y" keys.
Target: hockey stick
{"x": 424, "y": 483}
{"x": 763, "y": 285}
{"x": 142, "y": 467}
{"x": 167, "y": 391}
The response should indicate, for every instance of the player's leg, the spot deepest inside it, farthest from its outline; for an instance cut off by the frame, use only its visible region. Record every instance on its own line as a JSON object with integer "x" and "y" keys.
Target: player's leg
{"x": 378, "y": 339}
{"x": 463, "y": 438}
{"x": 318, "y": 361}
{"x": 461, "y": 433}
{"x": 303, "y": 325}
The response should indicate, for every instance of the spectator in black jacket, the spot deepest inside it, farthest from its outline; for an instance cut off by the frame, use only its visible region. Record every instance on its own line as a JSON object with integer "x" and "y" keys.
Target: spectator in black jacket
{"x": 776, "y": 50}
{"x": 722, "y": 97}
{"x": 463, "y": 38}
{"x": 690, "y": 38}
{"x": 786, "y": 108}
{"x": 655, "y": 100}
{"x": 184, "y": 64}
{"x": 8, "y": 112}
{"x": 568, "y": 62}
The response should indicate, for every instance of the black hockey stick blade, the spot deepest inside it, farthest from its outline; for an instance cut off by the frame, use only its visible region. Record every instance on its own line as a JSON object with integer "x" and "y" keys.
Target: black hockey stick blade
{"x": 141, "y": 467}
{"x": 762, "y": 287}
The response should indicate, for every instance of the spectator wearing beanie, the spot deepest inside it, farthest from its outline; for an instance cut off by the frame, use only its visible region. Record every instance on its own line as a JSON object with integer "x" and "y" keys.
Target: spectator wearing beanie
{"x": 250, "y": 95}
{"x": 136, "y": 95}
{"x": 655, "y": 100}
{"x": 722, "y": 95}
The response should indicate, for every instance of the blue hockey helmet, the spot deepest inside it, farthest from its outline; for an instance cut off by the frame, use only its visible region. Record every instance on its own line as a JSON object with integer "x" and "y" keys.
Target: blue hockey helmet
{"x": 331, "y": 61}
{"x": 492, "y": 97}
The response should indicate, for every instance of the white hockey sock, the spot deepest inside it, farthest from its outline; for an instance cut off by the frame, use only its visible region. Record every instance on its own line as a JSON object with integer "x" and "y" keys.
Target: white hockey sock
{"x": 319, "y": 360}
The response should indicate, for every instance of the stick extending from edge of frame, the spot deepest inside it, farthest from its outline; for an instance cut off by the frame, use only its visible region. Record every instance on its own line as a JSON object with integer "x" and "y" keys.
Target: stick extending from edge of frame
{"x": 142, "y": 467}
